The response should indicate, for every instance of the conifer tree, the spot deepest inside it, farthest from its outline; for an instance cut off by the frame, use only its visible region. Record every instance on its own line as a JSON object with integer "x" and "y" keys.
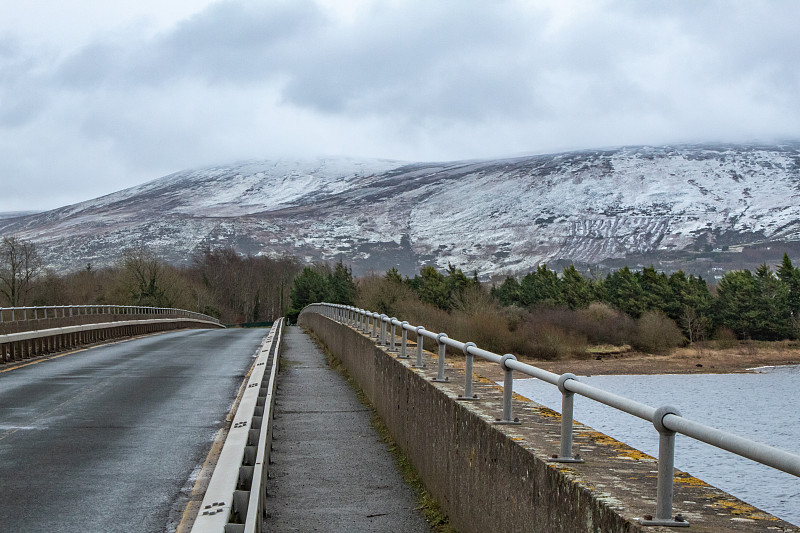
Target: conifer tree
{"x": 576, "y": 292}
{"x": 623, "y": 291}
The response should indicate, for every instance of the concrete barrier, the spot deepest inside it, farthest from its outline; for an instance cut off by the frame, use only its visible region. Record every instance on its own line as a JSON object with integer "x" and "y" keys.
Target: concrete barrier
{"x": 490, "y": 477}
{"x": 235, "y": 500}
{"x": 23, "y": 345}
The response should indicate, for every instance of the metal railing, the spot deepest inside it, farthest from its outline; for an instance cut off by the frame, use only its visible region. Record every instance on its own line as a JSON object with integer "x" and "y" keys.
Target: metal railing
{"x": 667, "y": 419}
{"x": 23, "y": 314}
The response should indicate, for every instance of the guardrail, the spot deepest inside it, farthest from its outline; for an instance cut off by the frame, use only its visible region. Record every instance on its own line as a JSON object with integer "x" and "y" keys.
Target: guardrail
{"x": 235, "y": 500}
{"x": 667, "y": 419}
{"x": 31, "y": 331}
{"x": 23, "y": 314}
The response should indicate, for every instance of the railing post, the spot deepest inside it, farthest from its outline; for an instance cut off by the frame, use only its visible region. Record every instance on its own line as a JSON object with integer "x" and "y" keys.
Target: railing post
{"x": 468, "y": 373}
{"x": 666, "y": 472}
{"x": 508, "y": 391}
{"x": 383, "y": 330}
{"x": 374, "y": 317}
{"x": 420, "y": 342}
{"x": 393, "y": 321}
{"x": 567, "y": 408}
{"x": 440, "y": 377}
{"x": 403, "y": 339}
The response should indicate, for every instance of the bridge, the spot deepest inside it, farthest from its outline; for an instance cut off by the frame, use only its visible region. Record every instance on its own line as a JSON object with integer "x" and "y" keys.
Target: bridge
{"x": 116, "y": 434}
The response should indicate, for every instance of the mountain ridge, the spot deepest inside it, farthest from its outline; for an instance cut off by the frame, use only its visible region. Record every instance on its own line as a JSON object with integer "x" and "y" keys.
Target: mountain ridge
{"x": 673, "y": 206}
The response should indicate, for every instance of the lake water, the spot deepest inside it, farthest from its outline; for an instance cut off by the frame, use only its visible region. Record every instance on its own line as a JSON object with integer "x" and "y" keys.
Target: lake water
{"x": 763, "y": 406}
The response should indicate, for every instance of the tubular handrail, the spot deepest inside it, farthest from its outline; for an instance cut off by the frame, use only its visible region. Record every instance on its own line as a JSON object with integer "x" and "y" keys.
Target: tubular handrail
{"x": 24, "y": 314}
{"x": 666, "y": 419}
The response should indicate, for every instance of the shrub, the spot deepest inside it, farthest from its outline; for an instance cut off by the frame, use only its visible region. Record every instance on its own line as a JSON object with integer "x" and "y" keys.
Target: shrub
{"x": 487, "y": 329}
{"x": 602, "y": 324}
{"x": 724, "y": 338}
{"x": 382, "y": 295}
{"x": 656, "y": 333}
{"x": 548, "y": 341}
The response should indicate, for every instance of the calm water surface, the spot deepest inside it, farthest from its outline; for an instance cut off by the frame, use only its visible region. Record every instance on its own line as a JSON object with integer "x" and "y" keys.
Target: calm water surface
{"x": 764, "y": 407}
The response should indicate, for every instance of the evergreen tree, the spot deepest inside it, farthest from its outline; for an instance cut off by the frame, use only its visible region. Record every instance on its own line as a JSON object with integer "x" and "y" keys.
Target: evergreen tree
{"x": 508, "y": 292}
{"x": 690, "y": 305}
{"x": 431, "y": 286}
{"x": 622, "y": 290}
{"x": 309, "y": 287}
{"x": 576, "y": 291}
{"x": 656, "y": 293}
{"x": 772, "y": 314}
{"x": 736, "y": 292}
{"x": 789, "y": 275}
{"x": 393, "y": 276}
{"x": 341, "y": 287}
{"x": 456, "y": 281}
{"x": 540, "y": 287}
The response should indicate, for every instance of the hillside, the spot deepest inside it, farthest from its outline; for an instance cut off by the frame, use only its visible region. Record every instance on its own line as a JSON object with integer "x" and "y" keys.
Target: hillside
{"x": 701, "y": 208}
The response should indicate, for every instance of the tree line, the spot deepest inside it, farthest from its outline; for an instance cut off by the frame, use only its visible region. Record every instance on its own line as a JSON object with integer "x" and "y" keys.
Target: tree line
{"x": 218, "y": 282}
{"x": 760, "y": 305}
{"x": 548, "y": 314}
{"x": 764, "y": 305}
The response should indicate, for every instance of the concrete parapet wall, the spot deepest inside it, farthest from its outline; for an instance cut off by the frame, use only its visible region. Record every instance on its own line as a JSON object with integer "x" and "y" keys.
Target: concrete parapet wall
{"x": 26, "y": 344}
{"x": 497, "y": 478}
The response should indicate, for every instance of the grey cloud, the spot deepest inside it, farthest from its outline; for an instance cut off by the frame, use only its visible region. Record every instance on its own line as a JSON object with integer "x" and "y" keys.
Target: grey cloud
{"x": 445, "y": 79}
{"x": 228, "y": 43}
{"x": 456, "y": 61}
{"x": 21, "y": 99}
{"x": 93, "y": 66}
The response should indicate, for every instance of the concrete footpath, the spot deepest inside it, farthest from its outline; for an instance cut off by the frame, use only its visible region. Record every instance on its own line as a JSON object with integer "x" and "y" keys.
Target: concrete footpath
{"x": 331, "y": 471}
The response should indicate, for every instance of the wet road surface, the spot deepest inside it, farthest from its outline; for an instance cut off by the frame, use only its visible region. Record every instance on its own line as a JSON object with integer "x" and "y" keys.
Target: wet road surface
{"x": 108, "y": 439}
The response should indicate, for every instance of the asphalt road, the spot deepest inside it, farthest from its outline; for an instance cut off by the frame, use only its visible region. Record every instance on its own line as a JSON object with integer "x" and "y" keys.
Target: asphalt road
{"x": 109, "y": 439}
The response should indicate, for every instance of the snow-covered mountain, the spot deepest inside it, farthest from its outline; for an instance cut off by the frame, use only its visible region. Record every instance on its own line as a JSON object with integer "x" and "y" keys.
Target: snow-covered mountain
{"x": 700, "y": 208}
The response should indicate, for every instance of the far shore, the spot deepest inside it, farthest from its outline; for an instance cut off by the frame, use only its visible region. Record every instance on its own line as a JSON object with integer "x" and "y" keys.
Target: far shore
{"x": 690, "y": 360}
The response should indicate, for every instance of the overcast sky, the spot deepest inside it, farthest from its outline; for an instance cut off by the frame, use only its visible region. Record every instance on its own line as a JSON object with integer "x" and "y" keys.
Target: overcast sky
{"x": 96, "y": 96}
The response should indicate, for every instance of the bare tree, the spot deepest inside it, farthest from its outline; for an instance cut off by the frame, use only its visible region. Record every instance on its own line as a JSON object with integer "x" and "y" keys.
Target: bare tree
{"x": 144, "y": 278}
{"x": 20, "y": 265}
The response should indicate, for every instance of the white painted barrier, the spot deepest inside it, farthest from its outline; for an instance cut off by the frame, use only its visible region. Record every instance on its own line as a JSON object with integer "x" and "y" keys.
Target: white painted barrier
{"x": 235, "y": 500}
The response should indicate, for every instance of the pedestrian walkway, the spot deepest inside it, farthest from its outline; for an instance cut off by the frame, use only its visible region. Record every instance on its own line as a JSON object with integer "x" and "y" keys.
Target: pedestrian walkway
{"x": 331, "y": 471}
